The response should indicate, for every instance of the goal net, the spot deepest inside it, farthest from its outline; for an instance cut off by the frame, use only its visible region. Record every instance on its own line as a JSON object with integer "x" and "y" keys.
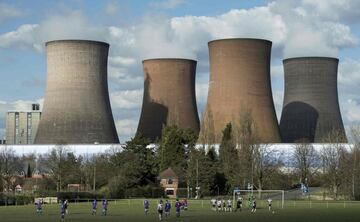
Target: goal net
{"x": 261, "y": 196}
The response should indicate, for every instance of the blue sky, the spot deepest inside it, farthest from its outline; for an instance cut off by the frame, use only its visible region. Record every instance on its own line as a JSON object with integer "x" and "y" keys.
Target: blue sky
{"x": 139, "y": 29}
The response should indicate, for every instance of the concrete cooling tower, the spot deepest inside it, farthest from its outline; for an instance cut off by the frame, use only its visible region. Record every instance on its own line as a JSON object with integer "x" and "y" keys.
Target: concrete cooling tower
{"x": 169, "y": 96}
{"x": 240, "y": 84}
{"x": 311, "y": 108}
{"x": 76, "y": 106}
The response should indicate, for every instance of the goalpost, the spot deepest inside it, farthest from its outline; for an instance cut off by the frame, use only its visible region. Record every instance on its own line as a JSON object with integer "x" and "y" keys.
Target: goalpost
{"x": 273, "y": 194}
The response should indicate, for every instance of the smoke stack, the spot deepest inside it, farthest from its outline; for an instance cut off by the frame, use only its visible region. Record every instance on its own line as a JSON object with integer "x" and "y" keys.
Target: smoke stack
{"x": 311, "y": 108}
{"x": 169, "y": 96}
{"x": 240, "y": 88}
{"x": 76, "y": 106}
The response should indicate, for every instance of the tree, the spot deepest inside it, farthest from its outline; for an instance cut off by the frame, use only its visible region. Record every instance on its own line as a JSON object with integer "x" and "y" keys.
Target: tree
{"x": 334, "y": 167}
{"x": 10, "y": 165}
{"x": 306, "y": 161}
{"x": 174, "y": 148}
{"x": 229, "y": 159}
{"x": 266, "y": 164}
{"x": 247, "y": 141}
{"x": 53, "y": 161}
{"x": 355, "y": 159}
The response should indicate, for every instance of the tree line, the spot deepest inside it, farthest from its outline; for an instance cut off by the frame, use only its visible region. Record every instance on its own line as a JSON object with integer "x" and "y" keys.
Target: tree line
{"x": 238, "y": 161}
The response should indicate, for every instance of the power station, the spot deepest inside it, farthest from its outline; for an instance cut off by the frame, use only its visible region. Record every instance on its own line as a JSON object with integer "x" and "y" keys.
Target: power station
{"x": 76, "y": 105}
{"x": 169, "y": 96}
{"x": 239, "y": 84}
{"x": 311, "y": 110}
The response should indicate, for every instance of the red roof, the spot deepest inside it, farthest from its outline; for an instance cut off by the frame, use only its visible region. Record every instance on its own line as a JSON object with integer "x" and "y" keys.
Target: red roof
{"x": 168, "y": 173}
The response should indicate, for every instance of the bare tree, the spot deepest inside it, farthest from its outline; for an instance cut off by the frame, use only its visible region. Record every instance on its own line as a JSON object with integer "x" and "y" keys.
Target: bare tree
{"x": 306, "y": 161}
{"x": 266, "y": 161}
{"x": 54, "y": 162}
{"x": 10, "y": 166}
{"x": 355, "y": 158}
{"x": 334, "y": 158}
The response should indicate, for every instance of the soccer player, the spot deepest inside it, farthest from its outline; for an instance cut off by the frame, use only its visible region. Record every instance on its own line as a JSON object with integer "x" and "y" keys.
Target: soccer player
{"x": 105, "y": 204}
{"x": 185, "y": 204}
{"x": 223, "y": 205}
{"x": 66, "y": 204}
{"x": 160, "y": 209}
{"x": 269, "y": 203}
{"x": 177, "y": 207}
{"x": 94, "y": 206}
{"x": 218, "y": 203}
{"x": 38, "y": 205}
{"x": 146, "y": 206}
{"x": 62, "y": 210}
{"x": 229, "y": 205}
{"x": 253, "y": 210}
{"x": 239, "y": 203}
{"x": 167, "y": 208}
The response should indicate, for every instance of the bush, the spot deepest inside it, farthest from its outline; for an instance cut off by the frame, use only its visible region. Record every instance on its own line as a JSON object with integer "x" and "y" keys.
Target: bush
{"x": 78, "y": 196}
{"x": 15, "y": 199}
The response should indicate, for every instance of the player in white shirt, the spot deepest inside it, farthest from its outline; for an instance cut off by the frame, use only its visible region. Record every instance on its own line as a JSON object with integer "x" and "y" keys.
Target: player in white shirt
{"x": 253, "y": 210}
{"x": 160, "y": 209}
{"x": 269, "y": 203}
{"x": 218, "y": 204}
{"x": 229, "y": 205}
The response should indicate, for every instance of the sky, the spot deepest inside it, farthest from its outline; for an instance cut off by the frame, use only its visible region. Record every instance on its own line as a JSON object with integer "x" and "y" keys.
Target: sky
{"x": 140, "y": 29}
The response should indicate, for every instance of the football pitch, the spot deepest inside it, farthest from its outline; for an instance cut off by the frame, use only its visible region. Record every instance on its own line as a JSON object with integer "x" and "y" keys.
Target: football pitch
{"x": 132, "y": 210}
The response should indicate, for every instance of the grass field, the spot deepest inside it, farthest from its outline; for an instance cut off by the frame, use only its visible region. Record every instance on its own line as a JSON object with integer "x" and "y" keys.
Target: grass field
{"x": 126, "y": 210}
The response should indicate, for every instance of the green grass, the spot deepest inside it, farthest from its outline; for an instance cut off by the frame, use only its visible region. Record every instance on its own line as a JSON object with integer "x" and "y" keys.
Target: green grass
{"x": 126, "y": 210}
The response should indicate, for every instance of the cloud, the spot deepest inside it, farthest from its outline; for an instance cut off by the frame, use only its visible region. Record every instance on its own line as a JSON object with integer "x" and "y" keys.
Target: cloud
{"x": 126, "y": 128}
{"x": 278, "y": 97}
{"x": 111, "y": 8}
{"x": 349, "y": 74}
{"x": 23, "y": 37}
{"x": 344, "y": 10}
{"x": 353, "y": 111}
{"x": 128, "y": 99}
{"x": 167, "y": 4}
{"x": 8, "y": 12}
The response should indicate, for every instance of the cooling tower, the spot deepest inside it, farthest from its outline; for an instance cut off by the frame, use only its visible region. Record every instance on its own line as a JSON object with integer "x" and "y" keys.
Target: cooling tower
{"x": 76, "y": 105}
{"x": 169, "y": 96}
{"x": 311, "y": 108}
{"x": 239, "y": 84}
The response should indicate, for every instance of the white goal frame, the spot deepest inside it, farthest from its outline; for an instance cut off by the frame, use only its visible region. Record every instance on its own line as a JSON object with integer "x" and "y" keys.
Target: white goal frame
{"x": 260, "y": 191}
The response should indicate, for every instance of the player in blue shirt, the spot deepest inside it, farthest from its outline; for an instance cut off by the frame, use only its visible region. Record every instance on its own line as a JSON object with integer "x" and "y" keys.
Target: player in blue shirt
{"x": 167, "y": 208}
{"x": 94, "y": 206}
{"x": 146, "y": 206}
{"x": 38, "y": 205}
{"x": 62, "y": 210}
{"x": 177, "y": 207}
{"x": 105, "y": 207}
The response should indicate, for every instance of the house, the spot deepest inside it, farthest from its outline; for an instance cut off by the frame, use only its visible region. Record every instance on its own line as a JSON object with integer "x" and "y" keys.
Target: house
{"x": 170, "y": 182}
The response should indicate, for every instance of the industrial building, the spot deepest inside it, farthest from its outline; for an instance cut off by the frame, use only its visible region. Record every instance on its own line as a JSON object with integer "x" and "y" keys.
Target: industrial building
{"x": 240, "y": 88}
{"x": 22, "y": 125}
{"x": 169, "y": 96}
{"x": 76, "y": 105}
{"x": 311, "y": 110}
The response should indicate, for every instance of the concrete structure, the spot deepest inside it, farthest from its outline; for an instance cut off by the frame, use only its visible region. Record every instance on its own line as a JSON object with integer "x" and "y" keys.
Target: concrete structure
{"x": 240, "y": 88}
{"x": 311, "y": 108}
{"x": 169, "y": 96}
{"x": 21, "y": 126}
{"x": 170, "y": 182}
{"x": 76, "y": 106}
